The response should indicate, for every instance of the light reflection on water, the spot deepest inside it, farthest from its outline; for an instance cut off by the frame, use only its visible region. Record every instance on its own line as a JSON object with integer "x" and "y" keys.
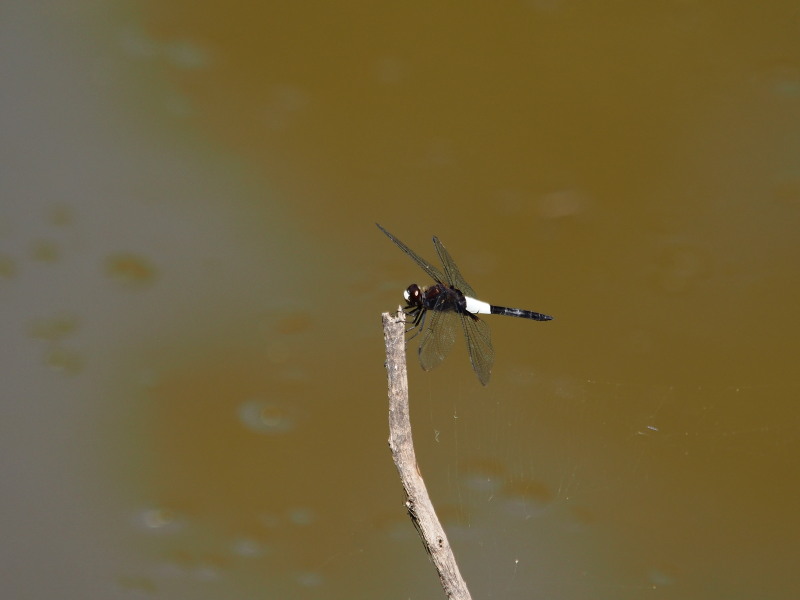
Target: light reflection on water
{"x": 161, "y": 519}
{"x": 267, "y": 416}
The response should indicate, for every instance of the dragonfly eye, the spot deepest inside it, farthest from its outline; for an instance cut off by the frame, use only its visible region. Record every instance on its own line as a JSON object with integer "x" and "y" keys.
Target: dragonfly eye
{"x": 413, "y": 293}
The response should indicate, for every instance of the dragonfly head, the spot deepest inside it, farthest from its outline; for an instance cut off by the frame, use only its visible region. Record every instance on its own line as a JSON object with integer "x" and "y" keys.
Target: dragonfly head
{"x": 413, "y": 294}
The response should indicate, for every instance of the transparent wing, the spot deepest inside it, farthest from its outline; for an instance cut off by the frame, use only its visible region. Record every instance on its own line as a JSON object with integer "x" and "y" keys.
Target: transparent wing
{"x": 438, "y": 337}
{"x": 479, "y": 345}
{"x": 432, "y": 271}
{"x": 451, "y": 271}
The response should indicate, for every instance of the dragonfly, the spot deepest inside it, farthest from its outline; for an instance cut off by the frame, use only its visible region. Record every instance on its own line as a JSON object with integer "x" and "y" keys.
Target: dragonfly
{"x": 438, "y": 309}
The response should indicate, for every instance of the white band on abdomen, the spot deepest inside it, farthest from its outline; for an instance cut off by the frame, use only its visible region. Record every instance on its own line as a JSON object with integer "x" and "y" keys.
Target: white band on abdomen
{"x": 476, "y": 307}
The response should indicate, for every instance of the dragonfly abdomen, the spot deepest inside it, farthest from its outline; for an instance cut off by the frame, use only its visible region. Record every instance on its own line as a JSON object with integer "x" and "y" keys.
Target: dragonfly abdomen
{"x": 518, "y": 312}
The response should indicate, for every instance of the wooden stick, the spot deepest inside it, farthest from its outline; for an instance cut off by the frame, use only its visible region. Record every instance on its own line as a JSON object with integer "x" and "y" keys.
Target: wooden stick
{"x": 418, "y": 503}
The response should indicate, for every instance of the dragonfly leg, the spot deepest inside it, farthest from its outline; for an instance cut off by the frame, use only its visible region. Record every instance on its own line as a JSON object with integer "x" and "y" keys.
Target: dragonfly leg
{"x": 418, "y": 315}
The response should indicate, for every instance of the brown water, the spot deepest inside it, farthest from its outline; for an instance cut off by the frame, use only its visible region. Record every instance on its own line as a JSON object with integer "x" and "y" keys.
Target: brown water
{"x": 191, "y": 284}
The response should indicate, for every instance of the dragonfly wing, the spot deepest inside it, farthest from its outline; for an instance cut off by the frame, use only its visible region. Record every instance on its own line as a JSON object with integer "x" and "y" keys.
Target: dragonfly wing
{"x": 479, "y": 345}
{"x": 432, "y": 271}
{"x": 437, "y": 338}
{"x": 451, "y": 271}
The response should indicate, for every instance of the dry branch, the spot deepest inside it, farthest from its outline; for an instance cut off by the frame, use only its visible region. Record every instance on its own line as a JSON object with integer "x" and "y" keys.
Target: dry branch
{"x": 418, "y": 503}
